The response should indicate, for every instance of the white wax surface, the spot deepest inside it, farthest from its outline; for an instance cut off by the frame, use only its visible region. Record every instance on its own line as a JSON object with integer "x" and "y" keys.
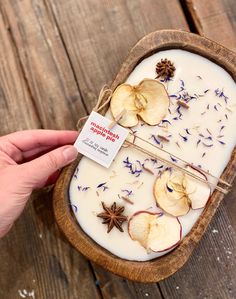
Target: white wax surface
{"x": 210, "y": 114}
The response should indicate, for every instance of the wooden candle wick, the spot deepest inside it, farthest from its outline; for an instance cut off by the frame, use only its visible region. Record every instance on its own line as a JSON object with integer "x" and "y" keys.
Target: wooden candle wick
{"x": 172, "y": 164}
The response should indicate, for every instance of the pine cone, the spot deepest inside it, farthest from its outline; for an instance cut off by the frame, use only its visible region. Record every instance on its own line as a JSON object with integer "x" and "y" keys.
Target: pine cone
{"x": 165, "y": 68}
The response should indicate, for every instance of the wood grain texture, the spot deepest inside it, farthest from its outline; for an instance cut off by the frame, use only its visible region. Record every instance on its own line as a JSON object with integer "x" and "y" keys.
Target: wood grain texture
{"x": 45, "y": 63}
{"x": 216, "y": 254}
{"x": 97, "y": 44}
{"x": 86, "y": 50}
{"x": 158, "y": 269}
{"x": 113, "y": 286}
{"x": 215, "y": 19}
{"x": 213, "y": 262}
{"x": 38, "y": 89}
{"x": 35, "y": 256}
{"x": 17, "y": 111}
{"x": 103, "y": 32}
{"x": 72, "y": 12}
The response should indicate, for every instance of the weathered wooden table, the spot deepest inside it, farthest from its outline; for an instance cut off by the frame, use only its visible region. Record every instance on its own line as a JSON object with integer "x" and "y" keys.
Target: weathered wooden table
{"x": 55, "y": 56}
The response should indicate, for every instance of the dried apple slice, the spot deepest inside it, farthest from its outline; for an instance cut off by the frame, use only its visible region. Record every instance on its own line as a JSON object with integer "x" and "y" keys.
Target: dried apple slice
{"x": 165, "y": 233}
{"x": 155, "y": 231}
{"x": 139, "y": 226}
{"x": 148, "y": 99}
{"x": 197, "y": 191}
{"x": 123, "y": 99}
{"x": 175, "y": 192}
{"x": 157, "y": 101}
{"x": 170, "y": 193}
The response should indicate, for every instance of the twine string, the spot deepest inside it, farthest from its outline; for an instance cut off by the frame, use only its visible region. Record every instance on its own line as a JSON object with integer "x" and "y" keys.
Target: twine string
{"x": 179, "y": 159}
{"x": 189, "y": 173}
{"x": 107, "y": 92}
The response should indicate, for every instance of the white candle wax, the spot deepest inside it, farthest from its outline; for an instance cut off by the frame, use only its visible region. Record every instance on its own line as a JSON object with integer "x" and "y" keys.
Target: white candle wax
{"x": 210, "y": 119}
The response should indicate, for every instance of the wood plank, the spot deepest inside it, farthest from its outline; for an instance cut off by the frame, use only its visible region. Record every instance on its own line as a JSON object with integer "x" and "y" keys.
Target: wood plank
{"x": 16, "y": 108}
{"x": 113, "y": 286}
{"x": 103, "y": 32}
{"x": 16, "y": 112}
{"x": 97, "y": 43}
{"x": 215, "y": 19}
{"x": 45, "y": 63}
{"x": 210, "y": 272}
{"x": 96, "y": 53}
{"x": 61, "y": 272}
{"x": 91, "y": 93}
{"x": 34, "y": 255}
{"x": 166, "y": 265}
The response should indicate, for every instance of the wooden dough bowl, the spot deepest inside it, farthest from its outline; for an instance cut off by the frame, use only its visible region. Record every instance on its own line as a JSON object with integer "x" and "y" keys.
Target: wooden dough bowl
{"x": 162, "y": 267}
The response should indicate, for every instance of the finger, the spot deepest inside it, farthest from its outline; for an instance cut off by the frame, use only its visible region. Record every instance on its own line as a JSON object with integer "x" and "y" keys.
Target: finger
{"x": 16, "y": 156}
{"x": 30, "y": 139}
{"x": 53, "y": 178}
{"x": 37, "y": 172}
{"x": 35, "y": 153}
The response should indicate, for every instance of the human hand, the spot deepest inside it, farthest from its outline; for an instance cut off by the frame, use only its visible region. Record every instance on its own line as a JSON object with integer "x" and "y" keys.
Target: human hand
{"x": 29, "y": 160}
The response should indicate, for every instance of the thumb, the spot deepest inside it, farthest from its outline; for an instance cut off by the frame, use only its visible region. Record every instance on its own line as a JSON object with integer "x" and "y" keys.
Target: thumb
{"x": 36, "y": 172}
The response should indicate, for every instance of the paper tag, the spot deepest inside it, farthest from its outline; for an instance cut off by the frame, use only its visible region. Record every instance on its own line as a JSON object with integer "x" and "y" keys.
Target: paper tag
{"x": 99, "y": 143}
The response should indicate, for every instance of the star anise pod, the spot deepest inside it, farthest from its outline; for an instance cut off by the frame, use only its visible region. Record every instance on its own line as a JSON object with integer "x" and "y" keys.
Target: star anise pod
{"x": 113, "y": 216}
{"x": 165, "y": 68}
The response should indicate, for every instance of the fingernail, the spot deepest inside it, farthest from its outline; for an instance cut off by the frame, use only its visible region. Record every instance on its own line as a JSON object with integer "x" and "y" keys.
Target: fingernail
{"x": 70, "y": 153}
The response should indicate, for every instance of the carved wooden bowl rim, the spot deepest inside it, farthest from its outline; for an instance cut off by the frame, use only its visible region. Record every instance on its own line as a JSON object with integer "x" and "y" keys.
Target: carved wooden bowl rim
{"x": 162, "y": 267}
